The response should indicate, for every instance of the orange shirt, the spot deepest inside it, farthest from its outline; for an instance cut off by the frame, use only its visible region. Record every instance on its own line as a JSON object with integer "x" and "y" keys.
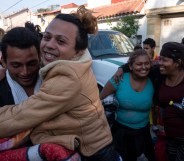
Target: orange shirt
{"x": 155, "y": 56}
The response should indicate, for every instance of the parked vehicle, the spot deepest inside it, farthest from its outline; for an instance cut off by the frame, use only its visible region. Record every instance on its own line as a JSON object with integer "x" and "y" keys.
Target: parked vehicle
{"x": 109, "y": 50}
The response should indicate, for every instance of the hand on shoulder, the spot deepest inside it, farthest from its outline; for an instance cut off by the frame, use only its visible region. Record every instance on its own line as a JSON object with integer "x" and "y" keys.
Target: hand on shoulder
{"x": 118, "y": 75}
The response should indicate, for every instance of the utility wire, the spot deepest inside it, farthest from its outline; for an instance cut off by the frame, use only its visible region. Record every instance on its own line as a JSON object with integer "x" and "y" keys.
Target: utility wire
{"x": 12, "y": 6}
{"x": 39, "y": 4}
{"x": 19, "y": 2}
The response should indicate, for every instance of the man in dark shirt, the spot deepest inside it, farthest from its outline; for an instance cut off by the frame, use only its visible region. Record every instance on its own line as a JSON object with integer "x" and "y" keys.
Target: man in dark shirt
{"x": 21, "y": 58}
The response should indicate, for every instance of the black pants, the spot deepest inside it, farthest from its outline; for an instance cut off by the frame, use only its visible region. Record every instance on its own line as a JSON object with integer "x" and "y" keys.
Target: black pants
{"x": 106, "y": 154}
{"x": 131, "y": 143}
{"x": 175, "y": 148}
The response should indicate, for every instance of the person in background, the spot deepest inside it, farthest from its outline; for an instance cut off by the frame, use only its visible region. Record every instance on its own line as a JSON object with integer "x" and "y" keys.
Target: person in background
{"x": 67, "y": 110}
{"x": 131, "y": 132}
{"x": 149, "y": 45}
{"x": 138, "y": 46}
{"x": 34, "y": 28}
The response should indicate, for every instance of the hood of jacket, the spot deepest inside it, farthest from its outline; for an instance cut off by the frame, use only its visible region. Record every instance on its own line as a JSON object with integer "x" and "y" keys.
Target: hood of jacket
{"x": 86, "y": 57}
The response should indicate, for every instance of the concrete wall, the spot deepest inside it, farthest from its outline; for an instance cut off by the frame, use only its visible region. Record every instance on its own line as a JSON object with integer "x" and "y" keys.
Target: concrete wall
{"x": 171, "y": 29}
{"x": 155, "y": 29}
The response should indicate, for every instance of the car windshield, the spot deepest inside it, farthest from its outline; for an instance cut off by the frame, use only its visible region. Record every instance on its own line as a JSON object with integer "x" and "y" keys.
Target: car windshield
{"x": 109, "y": 44}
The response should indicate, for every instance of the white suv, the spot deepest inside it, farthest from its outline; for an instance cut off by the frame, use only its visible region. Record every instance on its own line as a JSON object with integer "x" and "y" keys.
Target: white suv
{"x": 109, "y": 50}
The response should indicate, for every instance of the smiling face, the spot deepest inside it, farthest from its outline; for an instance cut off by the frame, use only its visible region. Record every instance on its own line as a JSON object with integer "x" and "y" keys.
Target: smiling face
{"x": 141, "y": 66}
{"x": 23, "y": 65}
{"x": 167, "y": 65}
{"x": 58, "y": 42}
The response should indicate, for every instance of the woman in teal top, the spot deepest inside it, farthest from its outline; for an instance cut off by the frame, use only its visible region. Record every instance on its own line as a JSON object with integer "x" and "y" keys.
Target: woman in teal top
{"x": 138, "y": 102}
{"x": 134, "y": 93}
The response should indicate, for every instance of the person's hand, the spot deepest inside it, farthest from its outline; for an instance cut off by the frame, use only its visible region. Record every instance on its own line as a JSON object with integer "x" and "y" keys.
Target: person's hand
{"x": 2, "y": 73}
{"x": 118, "y": 75}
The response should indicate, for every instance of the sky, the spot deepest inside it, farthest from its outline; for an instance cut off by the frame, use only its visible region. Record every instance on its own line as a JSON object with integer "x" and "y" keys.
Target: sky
{"x": 10, "y": 6}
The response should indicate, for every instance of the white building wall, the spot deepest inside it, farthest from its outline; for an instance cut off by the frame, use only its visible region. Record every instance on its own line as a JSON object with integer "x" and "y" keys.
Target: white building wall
{"x": 171, "y": 30}
{"x": 162, "y": 3}
{"x": 143, "y": 28}
{"x": 106, "y": 26}
{"x": 97, "y": 3}
{"x": 1, "y": 23}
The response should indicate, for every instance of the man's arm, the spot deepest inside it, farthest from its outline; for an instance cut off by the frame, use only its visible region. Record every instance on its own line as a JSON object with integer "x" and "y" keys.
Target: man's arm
{"x": 119, "y": 73}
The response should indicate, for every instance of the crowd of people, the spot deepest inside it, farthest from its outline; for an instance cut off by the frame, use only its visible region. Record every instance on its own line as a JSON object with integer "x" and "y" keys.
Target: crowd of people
{"x": 167, "y": 77}
{"x": 48, "y": 94}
